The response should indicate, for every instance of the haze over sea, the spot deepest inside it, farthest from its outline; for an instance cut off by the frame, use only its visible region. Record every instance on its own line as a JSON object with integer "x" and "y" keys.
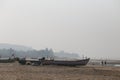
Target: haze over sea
{"x": 89, "y": 27}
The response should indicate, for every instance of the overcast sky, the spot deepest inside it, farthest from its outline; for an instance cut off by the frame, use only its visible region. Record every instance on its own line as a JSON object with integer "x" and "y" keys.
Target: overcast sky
{"x": 89, "y": 27}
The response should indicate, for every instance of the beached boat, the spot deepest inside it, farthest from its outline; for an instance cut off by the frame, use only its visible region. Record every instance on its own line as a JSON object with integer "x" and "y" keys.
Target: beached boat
{"x": 55, "y": 62}
{"x": 6, "y": 60}
{"x": 28, "y": 61}
{"x": 66, "y": 63}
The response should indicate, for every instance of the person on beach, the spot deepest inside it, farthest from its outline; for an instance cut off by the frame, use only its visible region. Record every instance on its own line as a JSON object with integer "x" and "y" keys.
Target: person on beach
{"x": 102, "y": 63}
{"x": 105, "y": 62}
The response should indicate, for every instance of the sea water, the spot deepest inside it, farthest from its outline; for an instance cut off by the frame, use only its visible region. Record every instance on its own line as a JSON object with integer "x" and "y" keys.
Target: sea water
{"x": 117, "y": 65}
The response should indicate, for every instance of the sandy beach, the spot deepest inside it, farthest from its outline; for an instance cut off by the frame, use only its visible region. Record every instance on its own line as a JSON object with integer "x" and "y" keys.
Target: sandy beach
{"x": 15, "y": 71}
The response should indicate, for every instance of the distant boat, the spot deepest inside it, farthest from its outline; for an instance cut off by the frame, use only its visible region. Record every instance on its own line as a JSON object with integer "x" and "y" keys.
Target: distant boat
{"x": 29, "y": 61}
{"x": 6, "y": 60}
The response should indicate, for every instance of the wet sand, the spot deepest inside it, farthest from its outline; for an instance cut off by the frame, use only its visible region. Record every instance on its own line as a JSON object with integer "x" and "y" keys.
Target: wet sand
{"x": 15, "y": 71}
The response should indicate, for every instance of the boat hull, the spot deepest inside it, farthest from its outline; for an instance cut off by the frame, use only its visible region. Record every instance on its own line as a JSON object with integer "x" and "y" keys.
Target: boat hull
{"x": 66, "y": 63}
{"x": 7, "y": 61}
{"x": 56, "y": 62}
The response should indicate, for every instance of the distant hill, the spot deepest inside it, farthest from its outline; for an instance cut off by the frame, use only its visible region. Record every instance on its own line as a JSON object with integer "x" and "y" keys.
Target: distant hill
{"x": 65, "y": 55}
{"x": 15, "y": 47}
{"x": 23, "y": 51}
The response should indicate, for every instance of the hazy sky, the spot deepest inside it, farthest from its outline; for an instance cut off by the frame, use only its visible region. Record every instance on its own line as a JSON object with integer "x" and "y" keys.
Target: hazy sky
{"x": 90, "y": 27}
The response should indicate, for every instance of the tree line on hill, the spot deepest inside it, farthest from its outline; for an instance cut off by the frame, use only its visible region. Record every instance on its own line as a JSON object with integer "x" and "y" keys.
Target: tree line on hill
{"x": 31, "y": 53}
{"x": 8, "y": 50}
{"x": 47, "y": 53}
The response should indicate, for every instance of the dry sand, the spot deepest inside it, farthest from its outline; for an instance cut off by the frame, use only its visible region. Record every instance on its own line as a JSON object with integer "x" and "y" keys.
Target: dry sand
{"x": 15, "y": 71}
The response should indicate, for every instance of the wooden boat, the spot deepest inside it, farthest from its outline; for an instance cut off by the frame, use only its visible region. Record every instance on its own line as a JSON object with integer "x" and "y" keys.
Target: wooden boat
{"x": 55, "y": 62}
{"x": 6, "y": 60}
{"x": 66, "y": 63}
{"x": 25, "y": 61}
